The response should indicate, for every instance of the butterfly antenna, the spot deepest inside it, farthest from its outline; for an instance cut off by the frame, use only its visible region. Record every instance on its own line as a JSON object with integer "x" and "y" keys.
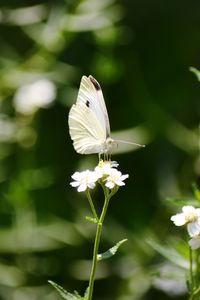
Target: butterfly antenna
{"x": 130, "y": 143}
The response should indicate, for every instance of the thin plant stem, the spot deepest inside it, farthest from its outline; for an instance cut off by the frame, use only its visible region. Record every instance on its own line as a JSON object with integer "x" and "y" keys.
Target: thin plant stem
{"x": 91, "y": 205}
{"x": 196, "y": 290}
{"x": 94, "y": 260}
{"x": 191, "y": 270}
{"x": 196, "y": 270}
{"x": 197, "y": 265}
{"x": 97, "y": 241}
{"x": 194, "y": 294}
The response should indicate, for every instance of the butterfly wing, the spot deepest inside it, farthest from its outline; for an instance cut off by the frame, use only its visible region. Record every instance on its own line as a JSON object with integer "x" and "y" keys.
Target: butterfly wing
{"x": 90, "y": 93}
{"x": 88, "y": 119}
{"x": 85, "y": 130}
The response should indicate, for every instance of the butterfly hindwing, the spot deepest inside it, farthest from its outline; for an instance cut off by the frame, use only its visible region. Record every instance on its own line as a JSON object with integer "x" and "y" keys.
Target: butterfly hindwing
{"x": 85, "y": 129}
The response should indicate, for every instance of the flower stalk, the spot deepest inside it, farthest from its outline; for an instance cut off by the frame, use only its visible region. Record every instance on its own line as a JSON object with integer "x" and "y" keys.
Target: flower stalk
{"x": 107, "y": 196}
{"x": 191, "y": 281}
{"x": 92, "y": 205}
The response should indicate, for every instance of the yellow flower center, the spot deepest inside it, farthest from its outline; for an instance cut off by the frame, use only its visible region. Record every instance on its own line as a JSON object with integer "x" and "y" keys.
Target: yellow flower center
{"x": 191, "y": 217}
{"x": 101, "y": 163}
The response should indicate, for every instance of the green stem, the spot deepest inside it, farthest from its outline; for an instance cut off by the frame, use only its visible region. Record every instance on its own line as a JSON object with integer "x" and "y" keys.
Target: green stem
{"x": 97, "y": 241}
{"x": 196, "y": 291}
{"x": 197, "y": 266}
{"x": 191, "y": 271}
{"x": 91, "y": 204}
{"x": 94, "y": 260}
{"x": 194, "y": 294}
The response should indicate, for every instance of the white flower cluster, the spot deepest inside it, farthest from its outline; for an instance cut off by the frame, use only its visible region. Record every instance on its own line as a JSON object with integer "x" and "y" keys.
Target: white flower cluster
{"x": 105, "y": 171}
{"x": 190, "y": 216}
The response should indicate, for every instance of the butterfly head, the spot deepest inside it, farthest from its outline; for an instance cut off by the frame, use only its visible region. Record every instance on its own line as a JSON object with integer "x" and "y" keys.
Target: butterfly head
{"x": 108, "y": 146}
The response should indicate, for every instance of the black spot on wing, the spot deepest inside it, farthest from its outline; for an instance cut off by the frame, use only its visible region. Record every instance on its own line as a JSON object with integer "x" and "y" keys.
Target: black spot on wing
{"x": 87, "y": 103}
{"x": 95, "y": 83}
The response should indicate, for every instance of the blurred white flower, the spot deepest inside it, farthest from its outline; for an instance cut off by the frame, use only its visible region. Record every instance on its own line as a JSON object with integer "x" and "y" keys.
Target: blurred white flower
{"x": 7, "y": 129}
{"x": 115, "y": 178}
{"x": 190, "y": 216}
{"x": 84, "y": 180}
{"x": 105, "y": 167}
{"x": 171, "y": 279}
{"x": 195, "y": 242}
{"x": 29, "y": 98}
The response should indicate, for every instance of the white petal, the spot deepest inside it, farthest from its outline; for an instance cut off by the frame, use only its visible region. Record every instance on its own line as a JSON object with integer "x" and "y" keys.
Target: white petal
{"x": 75, "y": 183}
{"x": 76, "y": 176}
{"x": 188, "y": 209}
{"x": 114, "y": 164}
{"x": 97, "y": 174}
{"x": 114, "y": 172}
{"x": 119, "y": 182}
{"x": 94, "y": 177}
{"x": 193, "y": 229}
{"x": 82, "y": 187}
{"x": 123, "y": 177}
{"x": 110, "y": 184}
{"x": 194, "y": 243}
{"x": 179, "y": 219}
{"x": 91, "y": 185}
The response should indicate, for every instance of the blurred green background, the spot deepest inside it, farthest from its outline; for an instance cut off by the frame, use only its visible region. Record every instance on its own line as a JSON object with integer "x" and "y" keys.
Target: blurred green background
{"x": 140, "y": 52}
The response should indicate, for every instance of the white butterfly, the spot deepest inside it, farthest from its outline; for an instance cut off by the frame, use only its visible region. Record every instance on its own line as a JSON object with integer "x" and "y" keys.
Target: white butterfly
{"x": 89, "y": 125}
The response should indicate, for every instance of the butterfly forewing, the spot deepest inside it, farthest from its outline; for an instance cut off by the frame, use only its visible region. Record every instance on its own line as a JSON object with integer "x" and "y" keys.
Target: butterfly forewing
{"x": 90, "y": 93}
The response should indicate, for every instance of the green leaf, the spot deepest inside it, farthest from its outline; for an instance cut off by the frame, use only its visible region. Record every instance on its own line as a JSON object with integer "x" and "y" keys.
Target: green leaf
{"x": 170, "y": 253}
{"x": 181, "y": 202}
{"x": 196, "y": 72}
{"x": 196, "y": 192}
{"x": 109, "y": 253}
{"x": 63, "y": 293}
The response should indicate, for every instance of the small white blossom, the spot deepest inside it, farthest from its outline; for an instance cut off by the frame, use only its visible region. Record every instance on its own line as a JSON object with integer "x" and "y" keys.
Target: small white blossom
{"x": 84, "y": 180}
{"x": 30, "y": 97}
{"x": 195, "y": 242}
{"x": 189, "y": 216}
{"x": 105, "y": 167}
{"x": 115, "y": 178}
